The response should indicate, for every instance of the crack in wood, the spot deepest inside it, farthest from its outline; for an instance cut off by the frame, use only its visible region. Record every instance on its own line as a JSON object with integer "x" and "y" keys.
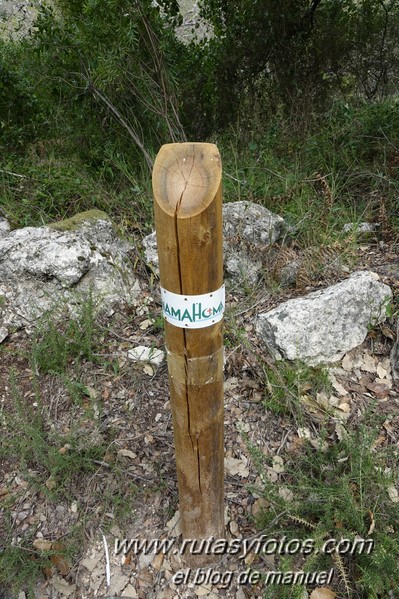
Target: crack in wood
{"x": 188, "y": 218}
{"x": 194, "y": 445}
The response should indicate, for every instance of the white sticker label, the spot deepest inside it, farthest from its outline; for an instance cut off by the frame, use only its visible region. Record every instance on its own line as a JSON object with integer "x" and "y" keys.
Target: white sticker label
{"x": 193, "y": 311}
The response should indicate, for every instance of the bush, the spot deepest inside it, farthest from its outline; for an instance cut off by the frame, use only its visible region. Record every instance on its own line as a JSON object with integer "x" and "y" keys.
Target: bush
{"x": 294, "y": 54}
{"x": 108, "y": 63}
{"x": 21, "y": 111}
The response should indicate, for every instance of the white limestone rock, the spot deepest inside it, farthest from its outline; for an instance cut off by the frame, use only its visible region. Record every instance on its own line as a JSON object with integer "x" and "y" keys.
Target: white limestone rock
{"x": 247, "y": 229}
{"x": 361, "y": 228}
{"x": 141, "y": 353}
{"x": 322, "y": 326}
{"x": 45, "y": 254}
{"x": 251, "y": 223}
{"x": 4, "y": 226}
{"x": 41, "y": 267}
{"x": 151, "y": 251}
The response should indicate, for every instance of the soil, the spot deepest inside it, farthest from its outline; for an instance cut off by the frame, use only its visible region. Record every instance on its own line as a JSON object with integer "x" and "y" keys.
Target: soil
{"x": 125, "y": 409}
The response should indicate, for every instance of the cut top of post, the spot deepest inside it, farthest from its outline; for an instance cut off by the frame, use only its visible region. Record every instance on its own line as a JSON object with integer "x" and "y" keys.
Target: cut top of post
{"x": 186, "y": 178}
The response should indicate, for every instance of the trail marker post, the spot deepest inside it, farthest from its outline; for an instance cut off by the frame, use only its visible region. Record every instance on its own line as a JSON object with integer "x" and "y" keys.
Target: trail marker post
{"x": 188, "y": 222}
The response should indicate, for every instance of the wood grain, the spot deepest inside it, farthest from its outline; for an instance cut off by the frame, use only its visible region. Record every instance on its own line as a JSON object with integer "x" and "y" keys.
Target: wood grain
{"x": 188, "y": 221}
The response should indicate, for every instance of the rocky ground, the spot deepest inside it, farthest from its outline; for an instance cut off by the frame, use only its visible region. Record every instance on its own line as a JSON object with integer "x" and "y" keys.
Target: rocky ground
{"x": 16, "y": 17}
{"x": 126, "y": 408}
{"x": 129, "y": 489}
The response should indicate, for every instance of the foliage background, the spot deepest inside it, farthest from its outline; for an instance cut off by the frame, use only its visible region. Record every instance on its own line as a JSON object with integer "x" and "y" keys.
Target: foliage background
{"x": 286, "y": 89}
{"x": 301, "y": 97}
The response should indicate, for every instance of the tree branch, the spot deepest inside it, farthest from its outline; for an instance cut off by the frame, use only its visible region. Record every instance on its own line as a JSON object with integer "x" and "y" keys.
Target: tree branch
{"x": 100, "y": 96}
{"x": 310, "y": 12}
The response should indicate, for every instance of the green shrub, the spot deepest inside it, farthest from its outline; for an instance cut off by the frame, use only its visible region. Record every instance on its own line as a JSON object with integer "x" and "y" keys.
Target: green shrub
{"x": 292, "y": 54}
{"x": 340, "y": 491}
{"x": 59, "y": 342}
{"x": 21, "y": 110}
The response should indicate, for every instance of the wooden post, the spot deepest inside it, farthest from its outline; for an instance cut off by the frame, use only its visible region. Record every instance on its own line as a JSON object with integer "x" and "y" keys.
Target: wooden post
{"x": 188, "y": 222}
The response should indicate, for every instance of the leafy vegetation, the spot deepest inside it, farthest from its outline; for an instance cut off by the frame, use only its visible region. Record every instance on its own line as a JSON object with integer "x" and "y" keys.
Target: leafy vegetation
{"x": 297, "y": 55}
{"x": 301, "y": 97}
{"x": 333, "y": 492}
{"x": 338, "y": 494}
{"x": 55, "y": 346}
{"x": 288, "y": 92}
{"x": 55, "y": 459}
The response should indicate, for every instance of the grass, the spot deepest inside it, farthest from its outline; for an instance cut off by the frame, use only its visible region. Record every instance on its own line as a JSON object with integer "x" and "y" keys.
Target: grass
{"x": 335, "y": 483}
{"x": 338, "y": 494}
{"x": 59, "y": 462}
{"x": 286, "y": 383}
{"x": 57, "y": 343}
{"x": 343, "y": 168}
{"x": 55, "y": 466}
{"x": 35, "y": 192}
{"x": 21, "y": 567}
{"x": 51, "y": 464}
{"x": 338, "y": 488}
